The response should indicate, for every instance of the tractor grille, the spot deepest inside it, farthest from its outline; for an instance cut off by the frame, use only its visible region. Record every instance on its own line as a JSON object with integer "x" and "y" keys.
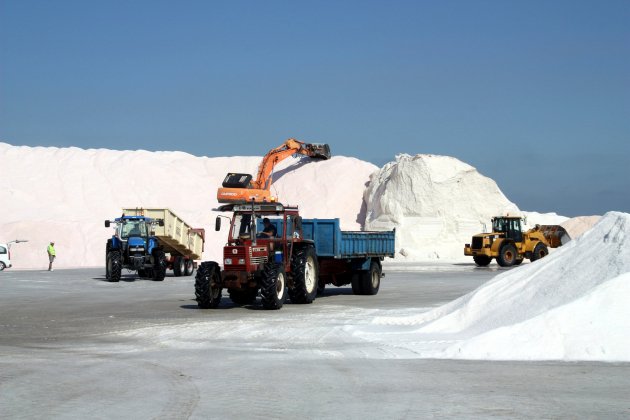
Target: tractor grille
{"x": 228, "y": 253}
{"x": 477, "y": 242}
{"x": 258, "y": 259}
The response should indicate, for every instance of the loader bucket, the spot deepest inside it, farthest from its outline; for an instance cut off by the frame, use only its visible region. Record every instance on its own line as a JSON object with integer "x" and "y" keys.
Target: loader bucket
{"x": 319, "y": 151}
{"x": 556, "y": 235}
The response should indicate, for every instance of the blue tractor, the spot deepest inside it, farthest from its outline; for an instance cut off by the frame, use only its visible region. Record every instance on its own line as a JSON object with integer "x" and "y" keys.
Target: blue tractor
{"x": 134, "y": 248}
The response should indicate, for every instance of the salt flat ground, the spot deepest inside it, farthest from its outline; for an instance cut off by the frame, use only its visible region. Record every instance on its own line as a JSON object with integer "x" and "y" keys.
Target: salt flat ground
{"x": 75, "y": 346}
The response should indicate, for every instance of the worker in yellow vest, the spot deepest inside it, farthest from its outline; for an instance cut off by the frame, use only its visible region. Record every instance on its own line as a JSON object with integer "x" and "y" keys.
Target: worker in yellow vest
{"x": 51, "y": 255}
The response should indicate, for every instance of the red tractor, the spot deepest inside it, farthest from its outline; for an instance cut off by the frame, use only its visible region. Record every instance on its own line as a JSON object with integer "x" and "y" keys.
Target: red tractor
{"x": 276, "y": 265}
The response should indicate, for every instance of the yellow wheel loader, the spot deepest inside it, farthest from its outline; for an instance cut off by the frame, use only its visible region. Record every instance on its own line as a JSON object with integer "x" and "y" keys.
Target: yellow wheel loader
{"x": 509, "y": 245}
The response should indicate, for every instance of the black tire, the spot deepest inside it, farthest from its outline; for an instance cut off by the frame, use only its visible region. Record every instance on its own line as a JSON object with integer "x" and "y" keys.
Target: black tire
{"x": 518, "y": 261}
{"x": 208, "y": 285}
{"x": 540, "y": 251}
{"x": 273, "y": 286}
{"x": 305, "y": 276}
{"x": 321, "y": 288}
{"x": 243, "y": 297}
{"x": 2, "y": 266}
{"x": 507, "y": 255}
{"x": 357, "y": 284}
{"x": 371, "y": 279}
{"x": 113, "y": 266}
{"x": 189, "y": 267}
{"x": 178, "y": 266}
{"x": 142, "y": 273}
{"x": 482, "y": 260}
{"x": 159, "y": 265}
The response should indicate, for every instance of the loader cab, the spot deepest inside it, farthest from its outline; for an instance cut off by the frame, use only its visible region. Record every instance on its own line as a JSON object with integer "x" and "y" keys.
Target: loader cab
{"x": 510, "y": 226}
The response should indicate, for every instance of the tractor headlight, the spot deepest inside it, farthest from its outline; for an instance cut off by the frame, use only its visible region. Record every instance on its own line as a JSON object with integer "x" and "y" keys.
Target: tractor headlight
{"x": 228, "y": 261}
{"x": 241, "y": 261}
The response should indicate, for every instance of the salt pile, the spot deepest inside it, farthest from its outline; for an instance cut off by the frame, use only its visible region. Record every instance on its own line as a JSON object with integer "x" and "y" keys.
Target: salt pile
{"x": 577, "y": 226}
{"x": 571, "y": 305}
{"x": 436, "y": 204}
{"x": 65, "y": 194}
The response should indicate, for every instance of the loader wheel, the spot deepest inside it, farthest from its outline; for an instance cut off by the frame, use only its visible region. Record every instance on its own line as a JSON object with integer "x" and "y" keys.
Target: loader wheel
{"x": 208, "y": 285}
{"x": 159, "y": 265}
{"x": 518, "y": 261}
{"x": 482, "y": 260}
{"x": 305, "y": 276}
{"x": 113, "y": 266}
{"x": 507, "y": 255}
{"x": 540, "y": 251}
{"x": 189, "y": 267}
{"x": 371, "y": 279}
{"x": 178, "y": 266}
{"x": 273, "y": 287}
{"x": 243, "y": 297}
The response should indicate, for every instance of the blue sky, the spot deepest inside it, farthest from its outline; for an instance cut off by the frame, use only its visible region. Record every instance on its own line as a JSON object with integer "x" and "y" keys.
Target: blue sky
{"x": 535, "y": 94}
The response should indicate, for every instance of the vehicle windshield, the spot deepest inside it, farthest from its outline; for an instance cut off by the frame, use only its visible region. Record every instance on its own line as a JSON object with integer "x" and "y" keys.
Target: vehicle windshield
{"x": 241, "y": 226}
{"x": 499, "y": 225}
{"x": 133, "y": 228}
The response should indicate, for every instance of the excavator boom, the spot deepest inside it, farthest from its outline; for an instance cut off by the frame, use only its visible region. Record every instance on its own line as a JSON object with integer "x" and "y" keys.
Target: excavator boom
{"x": 240, "y": 187}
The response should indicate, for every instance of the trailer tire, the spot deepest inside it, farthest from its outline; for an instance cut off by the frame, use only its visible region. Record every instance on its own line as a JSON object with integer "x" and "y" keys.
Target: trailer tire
{"x": 208, "y": 285}
{"x": 243, "y": 297}
{"x": 371, "y": 279}
{"x": 159, "y": 265}
{"x": 482, "y": 260}
{"x": 507, "y": 255}
{"x": 189, "y": 267}
{"x": 540, "y": 251}
{"x": 113, "y": 266}
{"x": 305, "y": 276}
{"x": 178, "y": 266}
{"x": 357, "y": 284}
{"x": 273, "y": 287}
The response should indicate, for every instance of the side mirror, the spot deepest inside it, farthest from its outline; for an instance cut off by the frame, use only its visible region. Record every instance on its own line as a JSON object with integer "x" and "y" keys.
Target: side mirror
{"x": 217, "y": 224}
{"x": 106, "y": 223}
{"x": 298, "y": 223}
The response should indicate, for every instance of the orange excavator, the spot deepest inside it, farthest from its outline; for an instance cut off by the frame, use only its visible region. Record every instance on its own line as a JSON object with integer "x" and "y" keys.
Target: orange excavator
{"x": 238, "y": 188}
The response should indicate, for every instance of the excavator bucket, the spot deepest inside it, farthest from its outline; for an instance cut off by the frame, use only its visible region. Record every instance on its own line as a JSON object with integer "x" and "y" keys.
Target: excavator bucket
{"x": 319, "y": 151}
{"x": 556, "y": 235}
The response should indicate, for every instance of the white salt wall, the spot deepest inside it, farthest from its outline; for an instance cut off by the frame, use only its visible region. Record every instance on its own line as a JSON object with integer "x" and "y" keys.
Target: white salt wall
{"x": 65, "y": 194}
{"x": 436, "y": 204}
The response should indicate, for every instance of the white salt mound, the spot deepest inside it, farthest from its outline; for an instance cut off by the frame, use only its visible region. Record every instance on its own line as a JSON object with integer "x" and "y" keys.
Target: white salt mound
{"x": 436, "y": 204}
{"x": 65, "y": 194}
{"x": 571, "y": 305}
{"x": 576, "y": 226}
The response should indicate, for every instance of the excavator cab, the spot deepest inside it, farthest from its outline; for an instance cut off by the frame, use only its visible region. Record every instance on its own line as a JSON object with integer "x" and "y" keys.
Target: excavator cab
{"x": 233, "y": 180}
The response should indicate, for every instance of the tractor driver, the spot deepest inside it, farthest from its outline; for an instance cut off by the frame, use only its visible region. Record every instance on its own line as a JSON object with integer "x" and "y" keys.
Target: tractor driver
{"x": 269, "y": 231}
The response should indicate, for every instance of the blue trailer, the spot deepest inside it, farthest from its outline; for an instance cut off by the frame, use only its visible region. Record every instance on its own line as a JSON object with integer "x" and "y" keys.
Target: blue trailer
{"x": 349, "y": 257}
{"x": 271, "y": 250}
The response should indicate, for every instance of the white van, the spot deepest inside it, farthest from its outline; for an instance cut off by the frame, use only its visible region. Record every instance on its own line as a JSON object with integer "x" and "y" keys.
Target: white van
{"x": 5, "y": 257}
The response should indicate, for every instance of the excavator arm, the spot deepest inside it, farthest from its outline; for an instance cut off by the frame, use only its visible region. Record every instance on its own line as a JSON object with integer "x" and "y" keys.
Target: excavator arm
{"x": 241, "y": 187}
